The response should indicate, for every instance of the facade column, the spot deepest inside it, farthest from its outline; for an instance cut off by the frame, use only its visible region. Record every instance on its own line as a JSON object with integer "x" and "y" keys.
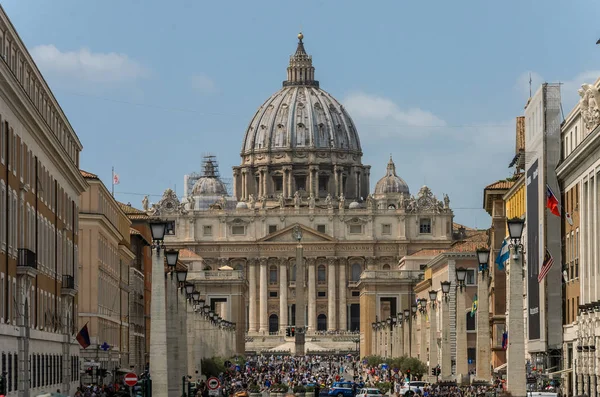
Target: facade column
{"x": 252, "y": 295}
{"x": 515, "y": 369}
{"x": 357, "y": 185}
{"x": 400, "y": 338}
{"x": 263, "y": 325}
{"x": 283, "y": 295}
{"x": 336, "y": 174}
{"x": 433, "y": 346}
{"x": 424, "y": 336}
{"x": 446, "y": 348}
{"x": 483, "y": 359}
{"x": 265, "y": 176}
{"x": 341, "y": 179}
{"x": 331, "y": 318}
{"x": 244, "y": 194}
{"x": 407, "y": 344}
{"x": 343, "y": 305}
{"x": 312, "y": 295}
{"x": 236, "y": 174}
{"x": 290, "y": 178}
{"x": 462, "y": 364}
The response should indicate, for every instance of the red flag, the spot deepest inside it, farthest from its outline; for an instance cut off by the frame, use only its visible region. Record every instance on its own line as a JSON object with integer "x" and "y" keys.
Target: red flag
{"x": 552, "y": 202}
{"x": 83, "y": 337}
{"x": 548, "y": 261}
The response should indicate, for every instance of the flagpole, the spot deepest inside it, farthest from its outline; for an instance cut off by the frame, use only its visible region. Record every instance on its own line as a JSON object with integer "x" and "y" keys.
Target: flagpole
{"x": 113, "y": 182}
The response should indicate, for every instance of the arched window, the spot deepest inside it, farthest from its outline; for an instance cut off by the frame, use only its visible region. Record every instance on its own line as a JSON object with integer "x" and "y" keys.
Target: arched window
{"x": 273, "y": 323}
{"x": 356, "y": 271}
{"x": 238, "y": 267}
{"x": 273, "y": 274}
{"x": 322, "y": 322}
{"x": 321, "y": 276}
{"x": 386, "y": 267}
{"x": 293, "y": 273}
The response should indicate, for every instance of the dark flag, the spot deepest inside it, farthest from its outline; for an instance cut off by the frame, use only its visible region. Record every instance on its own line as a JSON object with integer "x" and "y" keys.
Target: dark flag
{"x": 83, "y": 337}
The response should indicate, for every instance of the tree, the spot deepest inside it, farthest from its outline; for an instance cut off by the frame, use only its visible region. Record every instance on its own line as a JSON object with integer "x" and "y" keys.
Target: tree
{"x": 413, "y": 365}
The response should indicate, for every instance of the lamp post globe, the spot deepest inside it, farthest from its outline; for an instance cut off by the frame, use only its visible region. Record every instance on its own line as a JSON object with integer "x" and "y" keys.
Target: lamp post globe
{"x": 461, "y": 274}
{"x": 172, "y": 257}
{"x": 432, "y": 295}
{"x": 445, "y": 287}
{"x": 158, "y": 230}
{"x": 483, "y": 257}
{"x": 181, "y": 276}
{"x": 515, "y": 228}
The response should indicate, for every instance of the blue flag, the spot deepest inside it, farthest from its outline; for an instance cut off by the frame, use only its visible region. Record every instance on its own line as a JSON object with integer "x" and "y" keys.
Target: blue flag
{"x": 503, "y": 255}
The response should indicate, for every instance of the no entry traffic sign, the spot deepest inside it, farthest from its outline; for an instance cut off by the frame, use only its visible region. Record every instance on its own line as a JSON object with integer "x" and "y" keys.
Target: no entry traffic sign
{"x": 131, "y": 379}
{"x": 213, "y": 383}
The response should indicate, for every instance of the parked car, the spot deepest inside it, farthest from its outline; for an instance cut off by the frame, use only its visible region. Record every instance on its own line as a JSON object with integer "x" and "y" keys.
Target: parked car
{"x": 369, "y": 392}
{"x": 342, "y": 389}
{"x": 409, "y": 388}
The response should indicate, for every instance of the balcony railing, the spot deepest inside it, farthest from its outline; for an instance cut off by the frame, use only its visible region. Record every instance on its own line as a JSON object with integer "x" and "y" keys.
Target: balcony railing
{"x": 68, "y": 282}
{"x": 27, "y": 258}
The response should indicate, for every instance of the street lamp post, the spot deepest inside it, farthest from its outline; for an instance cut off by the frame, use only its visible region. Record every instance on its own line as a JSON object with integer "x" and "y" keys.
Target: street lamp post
{"x": 407, "y": 341}
{"x": 158, "y": 320}
{"x": 433, "y": 346}
{"x": 462, "y": 364}
{"x": 446, "y": 350}
{"x": 400, "y": 333}
{"x": 483, "y": 359}
{"x": 515, "y": 369}
{"x": 300, "y": 298}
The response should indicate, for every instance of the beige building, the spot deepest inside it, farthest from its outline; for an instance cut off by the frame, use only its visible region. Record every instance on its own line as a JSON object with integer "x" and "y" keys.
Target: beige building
{"x": 40, "y": 186}
{"x": 578, "y": 174}
{"x": 105, "y": 262}
{"x": 301, "y": 165}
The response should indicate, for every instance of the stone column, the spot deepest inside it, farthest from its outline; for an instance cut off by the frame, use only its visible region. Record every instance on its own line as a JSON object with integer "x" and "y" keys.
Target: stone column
{"x": 158, "y": 321}
{"x": 515, "y": 369}
{"x": 236, "y": 174}
{"x": 433, "y": 346}
{"x": 252, "y": 295}
{"x": 462, "y": 364}
{"x": 244, "y": 184}
{"x": 400, "y": 338}
{"x": 312, "y": 295}
{"x": 331, "y": 318}
{"x": 482, "y": 362}
{"x": 424, "y": 337}
{"x": 300, "y": 302}
{"x": 263, "y": 325}
{"x": 336, "y": 173}
{"x": 357, "y": 185}
{"x": 407, "y": 344}
{"x": 265, "y": 176}
{"x": 373, "y": 342}
{"x": 309, "y": 182}
{"x": 343, "y": 305}
{"x": 446, "y": 365}
{"x": 283, "y": 295}
{"x": 290, "y": 178}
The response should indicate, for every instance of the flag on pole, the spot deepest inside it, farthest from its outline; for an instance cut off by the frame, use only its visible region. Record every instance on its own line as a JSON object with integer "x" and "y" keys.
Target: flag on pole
{"x": 505, "y": 340}
{"x": 552, "y": 202}
{"x": 503, "y": 255}
{"x": 548, "y": 261}
{"x": 116, "y": 179}
{"x": 83, "y": 337}
{"x": 474, "y": 305}
{"x": 568, "y": 218}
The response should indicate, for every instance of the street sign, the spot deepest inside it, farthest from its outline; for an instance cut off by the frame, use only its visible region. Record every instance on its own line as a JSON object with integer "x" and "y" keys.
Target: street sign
{"x": 213, "y": 383}
{"x": 131, "y": 379}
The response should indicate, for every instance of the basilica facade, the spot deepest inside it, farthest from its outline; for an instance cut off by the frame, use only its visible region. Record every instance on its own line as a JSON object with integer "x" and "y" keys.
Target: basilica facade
{"x": 301, "y": 165}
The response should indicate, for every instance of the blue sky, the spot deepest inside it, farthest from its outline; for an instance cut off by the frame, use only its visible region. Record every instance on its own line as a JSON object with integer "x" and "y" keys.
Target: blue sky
{"x": 150, "y": 86}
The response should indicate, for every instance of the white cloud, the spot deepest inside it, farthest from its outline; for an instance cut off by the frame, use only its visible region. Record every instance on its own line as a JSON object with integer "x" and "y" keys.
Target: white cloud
{"x": 87, "y": 66}
{"x": 203, "y": 84}
{"x": 375, "y": 108}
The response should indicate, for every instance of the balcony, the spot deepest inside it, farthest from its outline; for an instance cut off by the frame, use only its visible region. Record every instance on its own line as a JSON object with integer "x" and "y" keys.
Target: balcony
{"x": 26, "y": 263}
{"x": 68, "y": 285}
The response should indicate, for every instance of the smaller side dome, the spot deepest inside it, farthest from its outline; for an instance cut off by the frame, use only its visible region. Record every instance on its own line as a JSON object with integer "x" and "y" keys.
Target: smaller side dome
{"x": 207, "y": 186}
{"x": 391, "y": 183}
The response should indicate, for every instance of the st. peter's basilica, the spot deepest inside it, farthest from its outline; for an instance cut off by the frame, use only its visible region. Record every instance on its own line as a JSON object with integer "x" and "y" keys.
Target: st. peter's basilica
{"x": 301, "y": 165}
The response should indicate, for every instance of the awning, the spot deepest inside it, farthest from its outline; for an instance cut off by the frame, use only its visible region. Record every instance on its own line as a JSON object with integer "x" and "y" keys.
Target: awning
{"x": 500, "y": 368}
{"x": 562, "y": 371}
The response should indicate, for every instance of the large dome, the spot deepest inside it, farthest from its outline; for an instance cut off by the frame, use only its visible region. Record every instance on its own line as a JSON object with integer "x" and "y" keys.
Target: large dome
{"x": 391, "y": 183}
{"x": 301, "y": 116}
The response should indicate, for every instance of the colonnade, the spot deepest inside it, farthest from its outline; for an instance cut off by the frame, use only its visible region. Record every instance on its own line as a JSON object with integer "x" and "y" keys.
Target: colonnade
{"x": 258, "y": 282}
{"x": 350, "y": 181}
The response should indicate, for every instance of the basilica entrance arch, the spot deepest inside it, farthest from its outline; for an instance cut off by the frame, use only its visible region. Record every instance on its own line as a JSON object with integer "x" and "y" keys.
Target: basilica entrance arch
{"x": 321, "y": 322}
{"x": 273, "y": 323}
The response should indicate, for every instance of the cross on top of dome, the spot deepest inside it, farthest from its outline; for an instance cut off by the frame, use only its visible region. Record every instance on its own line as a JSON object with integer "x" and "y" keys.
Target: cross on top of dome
{"x": 300, "y": 70}
{"x": 391, "y": 167}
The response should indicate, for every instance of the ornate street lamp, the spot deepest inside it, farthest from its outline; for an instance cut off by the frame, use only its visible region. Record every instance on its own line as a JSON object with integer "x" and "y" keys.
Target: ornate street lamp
{"x": 446, "y": 289}
{"x": 189, "y": 289}
{"x": 414, "y": 308}
{"x": 406, "y": 314}
{"x": 196, "y": 296}
{"x": 172, "y": 257}
{"x": 181, "y": 276}
{"x": 515, "y": 230}
{"x": 461, "y": 275}
{"x": 399, "y": 316}
{"x": 389, "y": 322}
{"x": 483, "y": 257}
{"x": 433, "y": 298}
{"x": 422, "y": 304}
{"x": 158, "y": 229}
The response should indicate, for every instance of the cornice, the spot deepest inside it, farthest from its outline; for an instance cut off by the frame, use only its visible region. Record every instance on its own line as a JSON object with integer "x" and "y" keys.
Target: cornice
{"x": 103, "y": 220}
{"x": 582, "y": 152}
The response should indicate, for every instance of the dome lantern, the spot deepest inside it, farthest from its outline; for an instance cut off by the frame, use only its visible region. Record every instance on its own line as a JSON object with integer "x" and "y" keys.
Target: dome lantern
{"x": 300, "y": 70}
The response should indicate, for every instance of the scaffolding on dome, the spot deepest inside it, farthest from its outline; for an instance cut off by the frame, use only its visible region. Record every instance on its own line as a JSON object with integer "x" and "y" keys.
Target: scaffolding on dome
{"x": 210, "y": 169}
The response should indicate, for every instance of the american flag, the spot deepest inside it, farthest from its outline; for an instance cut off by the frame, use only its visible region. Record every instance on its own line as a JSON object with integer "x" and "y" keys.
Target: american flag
{"x": 548, "y": 261}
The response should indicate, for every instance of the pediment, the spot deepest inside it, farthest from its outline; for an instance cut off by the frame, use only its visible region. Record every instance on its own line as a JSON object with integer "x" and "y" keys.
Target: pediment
{"x": 287, "y": 235}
